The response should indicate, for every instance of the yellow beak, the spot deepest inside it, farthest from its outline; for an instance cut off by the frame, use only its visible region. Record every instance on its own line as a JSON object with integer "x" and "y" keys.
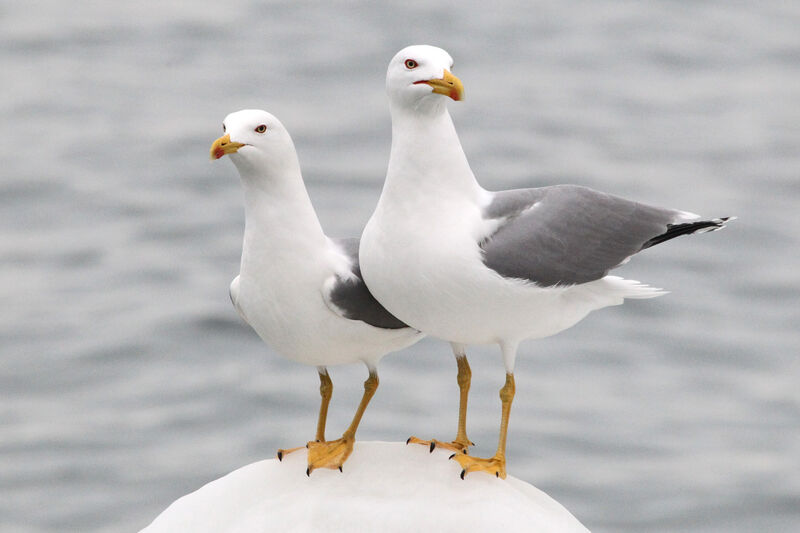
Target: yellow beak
{"x": 223, "y": 146}
{"x": 447, "y": 85}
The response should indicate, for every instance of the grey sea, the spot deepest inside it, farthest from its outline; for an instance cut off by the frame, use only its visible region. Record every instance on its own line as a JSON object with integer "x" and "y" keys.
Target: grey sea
{"x": 127, "y": 379}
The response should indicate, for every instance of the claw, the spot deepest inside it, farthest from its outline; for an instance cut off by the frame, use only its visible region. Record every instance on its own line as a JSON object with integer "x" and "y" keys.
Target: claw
{"x": 452, "y": 456}
{"x": 329, "y": 454}
{"x": 280, "y": 455}
{"x": 492, "y": 465}
{"x": 409, "y": 440}
{"x": 308, "y": 472}
{"x": 433, "y": 445}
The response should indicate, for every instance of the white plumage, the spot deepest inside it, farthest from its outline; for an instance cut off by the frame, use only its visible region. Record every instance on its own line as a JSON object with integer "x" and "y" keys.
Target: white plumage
{"x": 477, "y": 267}
{"x": 290, "y": 268}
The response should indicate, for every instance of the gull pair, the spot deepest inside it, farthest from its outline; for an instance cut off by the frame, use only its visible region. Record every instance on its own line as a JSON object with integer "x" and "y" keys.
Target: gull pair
{"x": 440, "y": 253}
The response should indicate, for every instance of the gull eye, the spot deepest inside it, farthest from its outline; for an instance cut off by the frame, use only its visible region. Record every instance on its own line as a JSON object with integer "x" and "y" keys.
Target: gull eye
{"x": 411, "y": 64}
{"x": 261, "y": 128}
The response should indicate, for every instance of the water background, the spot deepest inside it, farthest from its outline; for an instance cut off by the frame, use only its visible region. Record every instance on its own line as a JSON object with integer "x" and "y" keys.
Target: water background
{"x": 127, "y": 379}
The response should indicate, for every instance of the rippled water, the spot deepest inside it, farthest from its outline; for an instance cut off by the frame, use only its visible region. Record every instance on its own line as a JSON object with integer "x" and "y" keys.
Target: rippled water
{"x": 127, "y": 379}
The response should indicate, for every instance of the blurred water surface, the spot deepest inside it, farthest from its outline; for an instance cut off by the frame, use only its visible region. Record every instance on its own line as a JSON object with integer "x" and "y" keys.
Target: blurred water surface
{"x": 127, "y": 379}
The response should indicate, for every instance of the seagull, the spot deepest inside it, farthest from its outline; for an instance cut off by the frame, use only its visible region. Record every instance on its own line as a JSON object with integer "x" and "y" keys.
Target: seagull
{"x": 301, "y": 291}
{"x": 472, "y": 266}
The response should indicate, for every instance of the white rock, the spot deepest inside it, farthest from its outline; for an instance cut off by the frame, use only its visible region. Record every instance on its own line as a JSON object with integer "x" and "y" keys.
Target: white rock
{"x": 385, "y": 487}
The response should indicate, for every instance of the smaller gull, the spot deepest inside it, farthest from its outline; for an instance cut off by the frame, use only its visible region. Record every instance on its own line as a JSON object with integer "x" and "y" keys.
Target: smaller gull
{"x": 300, "y": 290}
{"x": 473, "y": 266}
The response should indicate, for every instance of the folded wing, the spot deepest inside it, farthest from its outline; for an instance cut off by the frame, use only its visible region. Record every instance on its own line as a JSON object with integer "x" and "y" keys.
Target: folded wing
{"x": 348, "y": 296}
{"x": 567, "y": 234}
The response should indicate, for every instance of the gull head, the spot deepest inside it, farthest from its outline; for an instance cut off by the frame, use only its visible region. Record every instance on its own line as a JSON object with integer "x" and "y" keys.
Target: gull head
{"x": 418, "y": 76}
{"x": 254, "y": 139}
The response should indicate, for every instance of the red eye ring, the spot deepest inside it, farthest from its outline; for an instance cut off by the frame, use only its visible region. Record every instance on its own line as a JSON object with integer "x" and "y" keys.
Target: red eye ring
{"x": 411, "y": 64}
{"x": 261, "y": 128}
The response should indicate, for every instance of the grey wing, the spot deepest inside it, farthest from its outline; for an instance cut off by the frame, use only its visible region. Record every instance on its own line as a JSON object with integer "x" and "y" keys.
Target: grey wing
{"x": 567, "y": 234}
{"x": 351, "y": 297}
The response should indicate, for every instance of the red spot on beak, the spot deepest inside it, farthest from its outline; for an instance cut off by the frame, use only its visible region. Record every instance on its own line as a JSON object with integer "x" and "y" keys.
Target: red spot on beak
{"x": 219, "y": 152}
{"x": 454, "y": 95}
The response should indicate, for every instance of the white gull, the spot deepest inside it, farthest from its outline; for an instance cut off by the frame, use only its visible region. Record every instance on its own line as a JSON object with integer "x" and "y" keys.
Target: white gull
{"x": 472, "y": 266}
{"x": 300, "y": 290}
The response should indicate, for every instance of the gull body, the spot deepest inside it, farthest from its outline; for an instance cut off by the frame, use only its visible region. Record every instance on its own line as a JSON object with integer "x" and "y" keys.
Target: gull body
{"x": 300, "y": 290}
{"x": 473, "y": 266}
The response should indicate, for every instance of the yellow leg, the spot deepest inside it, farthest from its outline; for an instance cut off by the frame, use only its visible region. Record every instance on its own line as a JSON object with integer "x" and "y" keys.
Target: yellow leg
{"x": 497, "y": 464}
{"x": 464, "y": 379}
{"x": 333, "y": 454}
{"x": 461, "y": 442}
{"x": 325, "y": 391}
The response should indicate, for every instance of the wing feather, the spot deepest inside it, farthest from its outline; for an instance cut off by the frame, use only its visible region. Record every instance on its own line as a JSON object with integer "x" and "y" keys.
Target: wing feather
{"x": 567, "y": 234}
{"x": 349, "y": 297}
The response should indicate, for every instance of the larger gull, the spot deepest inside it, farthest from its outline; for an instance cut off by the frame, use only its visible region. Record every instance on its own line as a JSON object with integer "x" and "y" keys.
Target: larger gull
{"x": 472, "y": 266}
{"x": 300, "y": 290}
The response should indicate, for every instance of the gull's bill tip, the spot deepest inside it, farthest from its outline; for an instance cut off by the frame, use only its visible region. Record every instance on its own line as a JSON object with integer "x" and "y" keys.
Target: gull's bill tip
{"x": 223, "y": 146}
{"x": 448, "y": 85}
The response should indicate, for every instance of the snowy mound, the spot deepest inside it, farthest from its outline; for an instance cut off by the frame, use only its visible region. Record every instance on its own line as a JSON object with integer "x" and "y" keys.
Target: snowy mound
{"x": 385, "y": 487}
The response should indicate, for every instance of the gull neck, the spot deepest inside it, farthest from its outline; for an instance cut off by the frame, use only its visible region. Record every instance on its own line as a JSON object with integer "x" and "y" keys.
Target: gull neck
{"x": 427, "y": 156}
{"x": 277, "y": 205}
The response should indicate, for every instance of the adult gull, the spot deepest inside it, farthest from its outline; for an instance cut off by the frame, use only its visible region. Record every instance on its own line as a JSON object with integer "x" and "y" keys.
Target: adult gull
{"x": 472, "y": 266}
{"x": 300, "y": 290}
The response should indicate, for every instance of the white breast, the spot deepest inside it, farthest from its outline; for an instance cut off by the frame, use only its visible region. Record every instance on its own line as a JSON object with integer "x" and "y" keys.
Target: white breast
{"x": 428, "y": 271}
{"x": 281, "y": 298}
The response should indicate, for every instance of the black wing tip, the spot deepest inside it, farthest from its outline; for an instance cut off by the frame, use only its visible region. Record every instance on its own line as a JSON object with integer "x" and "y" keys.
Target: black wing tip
{"x": 704, "y": 226}
{"x": 688, "y": 228}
